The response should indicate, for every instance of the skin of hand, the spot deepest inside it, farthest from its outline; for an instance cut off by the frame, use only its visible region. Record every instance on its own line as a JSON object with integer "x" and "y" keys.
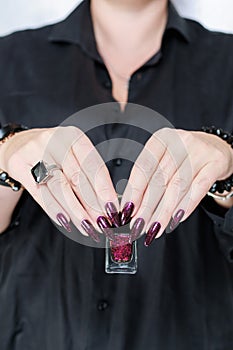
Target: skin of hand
{"x": 79, "y": 191}
{"x": 172, "y": 174}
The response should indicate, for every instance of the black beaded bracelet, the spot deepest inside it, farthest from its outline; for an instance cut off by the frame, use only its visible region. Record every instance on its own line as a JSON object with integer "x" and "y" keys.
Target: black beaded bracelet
{"x": 227, "y": 184}
{"x": 6, "y": 180}
{"x": 6, "y": 132}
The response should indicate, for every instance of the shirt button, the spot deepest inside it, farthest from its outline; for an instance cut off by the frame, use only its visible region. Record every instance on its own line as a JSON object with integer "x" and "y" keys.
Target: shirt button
{"x": 16, "y": 223}
{"x": 118, "y": 162}
{"x": 102, "y": 305}
{"x": 107, "y": 84}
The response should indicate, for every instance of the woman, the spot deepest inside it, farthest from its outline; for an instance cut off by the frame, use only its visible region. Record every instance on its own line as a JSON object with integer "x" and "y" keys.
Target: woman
{"x": 140, "y": 52}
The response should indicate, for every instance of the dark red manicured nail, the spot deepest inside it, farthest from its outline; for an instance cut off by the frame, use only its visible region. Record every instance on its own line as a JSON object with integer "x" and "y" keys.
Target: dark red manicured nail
{"x": 137, "y": 229}
{"x": 126, "y": 213}
{"x": 113, "y": 215}
{"x": 105, "y": 226}
{"x": 64, "y": 222}
{"x": 90, "y": 230}
{"x": 121, "y": 249}
{"x": 152, "y": 233}
{"x": 176, "y": 220}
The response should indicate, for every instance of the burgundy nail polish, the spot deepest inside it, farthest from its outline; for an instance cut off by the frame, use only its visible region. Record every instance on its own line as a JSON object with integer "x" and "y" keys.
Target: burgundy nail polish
{"x": 121, "y": 249}
{"x": 105, "y": 227}
{"x": 126, "y": 213}
{"x": 121, "y": 254}
{"x": 176, "y": 219}
{"x": 64, "y": 222}
{"x": 90, "y": 230}
{"x": 152, "y": 233}
{"x": 137, "y": 229}
{"x": 112, "y": 213}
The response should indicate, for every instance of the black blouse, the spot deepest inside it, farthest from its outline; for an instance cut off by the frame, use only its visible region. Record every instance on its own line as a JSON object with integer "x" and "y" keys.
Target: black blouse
{"x": 54, "y": 293}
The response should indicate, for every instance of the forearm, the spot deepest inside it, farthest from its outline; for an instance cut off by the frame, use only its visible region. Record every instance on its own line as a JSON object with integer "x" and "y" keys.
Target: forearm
{"x": 8, "y": 202}
{"x": 225, "y": 204}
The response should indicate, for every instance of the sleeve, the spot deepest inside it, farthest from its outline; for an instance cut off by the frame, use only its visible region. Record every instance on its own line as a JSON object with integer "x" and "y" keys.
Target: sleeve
{"x": 223, "y": 225}
{"x": 15, "y": 220}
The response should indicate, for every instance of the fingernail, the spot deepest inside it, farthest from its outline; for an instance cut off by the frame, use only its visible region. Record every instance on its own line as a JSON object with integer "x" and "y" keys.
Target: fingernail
{"x": 105, "y": 226}
{"x": 113, "y": 215}
{"x": 152, "y": 233}
{"x": 90, "y": 230}
{"x": 64, "y": 222}
{"x": 126, "y": 213}
{"x": 176, "y": 220}
{"x": 137, "y": 229}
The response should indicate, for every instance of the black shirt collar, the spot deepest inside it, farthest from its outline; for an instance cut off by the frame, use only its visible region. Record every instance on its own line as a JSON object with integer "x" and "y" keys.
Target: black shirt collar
{"x": 77, "y": 28}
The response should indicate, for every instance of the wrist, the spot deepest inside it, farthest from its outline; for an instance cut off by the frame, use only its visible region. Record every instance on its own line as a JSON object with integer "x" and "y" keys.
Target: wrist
{"x": 222, "y": 190}
{"x": 7, "y": 132}
{"x": 225, "y": 204}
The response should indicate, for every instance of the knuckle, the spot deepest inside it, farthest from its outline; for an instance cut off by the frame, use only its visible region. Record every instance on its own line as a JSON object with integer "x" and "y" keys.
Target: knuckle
{"x": 75, "y": 178}
{"x": 203, "y": 184}
{"x": 160, "y": 179}
{"x": 74, "y": 132}
{"x": 136, "y": 191}
{"x": 81, "y": 140}
{"x": 147, "y": 164}
{"x": 90, "y": 163}
{"x": 104, "y": 195}
{"x": 56, "y": 182}
{"x": 179, "y": 184}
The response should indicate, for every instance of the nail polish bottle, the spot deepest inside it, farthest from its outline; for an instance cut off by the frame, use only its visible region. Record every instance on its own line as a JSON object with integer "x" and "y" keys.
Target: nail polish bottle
{"x": 121, "y": 254}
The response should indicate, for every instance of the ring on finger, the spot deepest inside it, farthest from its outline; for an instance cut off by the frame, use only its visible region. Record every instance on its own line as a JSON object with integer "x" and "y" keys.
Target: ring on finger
{"x": 42, "y": 172}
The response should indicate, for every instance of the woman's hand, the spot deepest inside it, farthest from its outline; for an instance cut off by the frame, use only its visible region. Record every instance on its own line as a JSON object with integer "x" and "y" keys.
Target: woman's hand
{"x": 81, "y": 192}
{"x": 170, "y": 177}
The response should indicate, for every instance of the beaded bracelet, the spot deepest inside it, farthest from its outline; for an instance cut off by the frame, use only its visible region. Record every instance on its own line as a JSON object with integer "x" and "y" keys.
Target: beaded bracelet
{"x": 221, "y": 186}
{"x": 6, "y": 132}
{"x": 6, "y": 180}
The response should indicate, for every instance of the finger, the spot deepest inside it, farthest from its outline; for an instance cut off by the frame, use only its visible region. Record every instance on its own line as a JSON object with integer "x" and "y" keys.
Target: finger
{"x": 158, "y": 213}
{"x": 198, "y": 190}
{"x": 88, "y": 159}
{"x": 97, "y": 173}
{"x": 82, "y": 187}
{"x": 159, "y": 182}
{"x": 181, "y": 198}
{"x": 45, "y": 199}
{"x": 176, "y": 190}
{"x": 62, "y": 192}
{"x": 166, "y": 152}
{"x": 142, "y": 171}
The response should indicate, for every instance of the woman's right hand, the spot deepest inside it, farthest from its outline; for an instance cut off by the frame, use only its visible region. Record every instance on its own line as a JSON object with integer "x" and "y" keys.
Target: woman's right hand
{"x": 81, "y": 192}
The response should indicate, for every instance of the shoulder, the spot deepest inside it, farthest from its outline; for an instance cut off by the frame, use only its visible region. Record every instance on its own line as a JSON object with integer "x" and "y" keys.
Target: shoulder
{"x": 23, "y": 41}
{"x": 215, "y": 41}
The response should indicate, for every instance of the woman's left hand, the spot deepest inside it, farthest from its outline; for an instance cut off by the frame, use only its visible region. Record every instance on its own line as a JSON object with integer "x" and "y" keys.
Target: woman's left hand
{"x": 172, "y": 174}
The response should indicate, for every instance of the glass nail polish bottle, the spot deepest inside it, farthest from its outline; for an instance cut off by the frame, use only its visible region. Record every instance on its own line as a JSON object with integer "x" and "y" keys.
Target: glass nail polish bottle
{"x": 121, "y": 254}
{"x": 120, "y": 251}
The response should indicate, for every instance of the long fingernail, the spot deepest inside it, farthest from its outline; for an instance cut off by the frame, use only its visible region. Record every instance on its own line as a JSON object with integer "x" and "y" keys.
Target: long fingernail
{"x": 63, "y": 222}
{"x": 126, "y": 213}
{"x": 113, "y": 215}
{"x": 105, "y": 226}
{"x": 90, "y": 230}
{"x": 137, "y": 229}
{"x": 176, "y": 220}
{"x": 152, "y": 233}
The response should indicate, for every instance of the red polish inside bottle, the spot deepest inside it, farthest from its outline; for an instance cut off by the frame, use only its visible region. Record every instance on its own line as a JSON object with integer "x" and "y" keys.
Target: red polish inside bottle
{"x": 121, "y": 249}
